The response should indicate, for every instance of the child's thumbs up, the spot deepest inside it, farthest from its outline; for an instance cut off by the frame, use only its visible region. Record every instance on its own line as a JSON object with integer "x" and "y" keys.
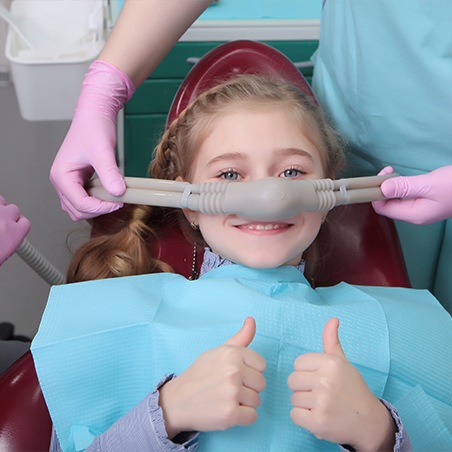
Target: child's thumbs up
{"x": 331, "y": 399}
{"x": 245, "y": 335}
{"x": 330, "y": 339}
{"x": 219, "y": 390}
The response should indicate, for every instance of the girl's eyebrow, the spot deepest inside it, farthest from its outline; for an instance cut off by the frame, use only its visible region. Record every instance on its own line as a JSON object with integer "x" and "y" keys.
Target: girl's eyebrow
{"x": 227, "y": 156}
{"x": 283, "y": 152}
{"x": 287, "y": 152}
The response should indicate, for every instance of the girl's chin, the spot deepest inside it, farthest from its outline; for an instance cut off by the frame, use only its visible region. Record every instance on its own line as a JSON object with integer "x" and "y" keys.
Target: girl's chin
{"x": 259, "y": 258}
{"x": 265, "y": 263}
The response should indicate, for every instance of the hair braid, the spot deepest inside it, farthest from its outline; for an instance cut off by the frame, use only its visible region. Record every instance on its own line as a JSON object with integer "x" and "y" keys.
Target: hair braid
{"x": 125, "y": 251}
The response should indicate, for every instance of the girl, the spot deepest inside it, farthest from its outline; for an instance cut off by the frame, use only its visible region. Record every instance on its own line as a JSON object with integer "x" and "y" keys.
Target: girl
{"x": 158, "y": 354}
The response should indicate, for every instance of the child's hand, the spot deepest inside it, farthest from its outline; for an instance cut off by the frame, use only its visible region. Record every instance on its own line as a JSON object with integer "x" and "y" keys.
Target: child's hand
{"x": 219, "y": 390}
{"x": 333, "y": 402}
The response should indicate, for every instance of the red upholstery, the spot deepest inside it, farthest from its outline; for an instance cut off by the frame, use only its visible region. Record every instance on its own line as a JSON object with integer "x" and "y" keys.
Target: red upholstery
{"x": 364, "y": 249}
{"x": 24, "y": 420}
{"x": 230, "y": 59}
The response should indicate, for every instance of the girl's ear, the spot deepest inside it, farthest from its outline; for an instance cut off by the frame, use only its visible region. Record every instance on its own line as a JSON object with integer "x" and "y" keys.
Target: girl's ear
{"x": 191, "y": 216}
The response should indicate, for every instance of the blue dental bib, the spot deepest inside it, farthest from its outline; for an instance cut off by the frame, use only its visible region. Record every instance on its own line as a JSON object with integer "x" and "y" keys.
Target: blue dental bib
{"x": 102, "y": 346}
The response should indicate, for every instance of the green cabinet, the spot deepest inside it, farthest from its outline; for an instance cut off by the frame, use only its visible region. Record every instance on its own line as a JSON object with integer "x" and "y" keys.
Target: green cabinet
{"x": 145, "y": 114}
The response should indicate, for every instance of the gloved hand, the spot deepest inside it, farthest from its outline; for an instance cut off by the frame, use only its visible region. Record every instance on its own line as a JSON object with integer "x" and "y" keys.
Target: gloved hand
{"x": 13, "y": 229}
{"x": 90, "y": 143}
{"x": 420, "y": 199}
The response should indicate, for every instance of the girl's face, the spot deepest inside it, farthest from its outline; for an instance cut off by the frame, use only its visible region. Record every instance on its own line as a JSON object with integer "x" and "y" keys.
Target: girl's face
{"x": 248, "y": 145}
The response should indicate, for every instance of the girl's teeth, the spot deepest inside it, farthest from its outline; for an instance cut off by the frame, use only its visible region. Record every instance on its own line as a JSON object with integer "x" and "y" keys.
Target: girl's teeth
{"x": 263, "y": 227}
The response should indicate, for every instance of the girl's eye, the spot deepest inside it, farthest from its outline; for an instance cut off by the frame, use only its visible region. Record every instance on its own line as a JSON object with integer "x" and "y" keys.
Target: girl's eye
{"x": 291, "y": 173}
{"x": 230, "y": 175}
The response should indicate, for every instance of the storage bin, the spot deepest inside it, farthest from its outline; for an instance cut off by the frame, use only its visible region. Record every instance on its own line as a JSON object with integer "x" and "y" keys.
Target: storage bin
{"x": 47, "y": 79}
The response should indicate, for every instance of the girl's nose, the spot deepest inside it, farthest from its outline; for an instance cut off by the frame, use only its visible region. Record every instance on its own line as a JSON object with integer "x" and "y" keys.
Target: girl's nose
{"x": 261, "y": 173}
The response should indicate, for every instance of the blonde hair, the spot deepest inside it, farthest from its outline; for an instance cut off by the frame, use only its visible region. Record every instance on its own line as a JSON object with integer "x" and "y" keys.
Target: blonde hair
{"x": 127, "y": 250}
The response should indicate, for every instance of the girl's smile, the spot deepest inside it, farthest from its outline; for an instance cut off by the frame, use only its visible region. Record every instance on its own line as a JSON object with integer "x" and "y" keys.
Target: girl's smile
{"x": 263, "y": 227}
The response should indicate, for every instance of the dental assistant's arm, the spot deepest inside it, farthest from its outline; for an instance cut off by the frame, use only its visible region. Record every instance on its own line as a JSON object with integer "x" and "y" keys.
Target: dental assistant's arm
{"x": 145, "y": 32}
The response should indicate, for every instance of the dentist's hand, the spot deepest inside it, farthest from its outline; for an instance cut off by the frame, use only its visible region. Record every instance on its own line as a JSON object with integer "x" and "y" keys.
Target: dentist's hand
{"x": 13, "y": 229}
{"x": 90, "y": 143}
{"x": 219, "y": 390}
{"x": 333, "y": 402}
{"x": 420, "y": 199}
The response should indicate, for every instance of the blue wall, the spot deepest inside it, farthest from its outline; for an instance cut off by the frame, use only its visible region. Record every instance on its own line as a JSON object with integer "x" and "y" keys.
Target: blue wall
{"x": 258, "y": 9}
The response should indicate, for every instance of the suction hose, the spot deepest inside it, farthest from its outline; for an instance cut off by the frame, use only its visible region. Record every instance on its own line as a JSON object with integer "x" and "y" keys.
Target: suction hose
{"x": 40, "y": 264}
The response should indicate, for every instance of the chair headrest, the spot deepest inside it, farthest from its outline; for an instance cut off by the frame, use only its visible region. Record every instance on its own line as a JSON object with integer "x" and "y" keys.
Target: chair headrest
{"x": 231, "y": 59}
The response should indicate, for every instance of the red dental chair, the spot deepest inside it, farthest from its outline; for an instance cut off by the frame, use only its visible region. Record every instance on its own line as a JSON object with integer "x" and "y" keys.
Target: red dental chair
{"x": 365, "y": 249}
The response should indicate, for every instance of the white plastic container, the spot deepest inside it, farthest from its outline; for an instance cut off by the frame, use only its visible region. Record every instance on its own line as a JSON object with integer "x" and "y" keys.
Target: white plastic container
{"x": 48, "y": 79}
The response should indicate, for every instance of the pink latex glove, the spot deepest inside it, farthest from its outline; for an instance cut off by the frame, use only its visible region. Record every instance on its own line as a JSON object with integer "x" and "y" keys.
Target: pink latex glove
{"x": 13, "y": 229}
{"x": 420, "y": 199}
{"x": 90, "y": 143}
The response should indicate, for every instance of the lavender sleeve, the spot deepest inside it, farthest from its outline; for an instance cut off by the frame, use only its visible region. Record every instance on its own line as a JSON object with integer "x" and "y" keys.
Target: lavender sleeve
{"x": 402, "y": 441}
{"x": 143, "y": 428}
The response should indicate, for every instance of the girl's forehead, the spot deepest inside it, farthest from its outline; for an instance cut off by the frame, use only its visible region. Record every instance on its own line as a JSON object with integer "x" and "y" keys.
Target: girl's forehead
{"x": 261, "y": 136}
{"x": 261, "y": 126}
{"x": 211, "y": 121}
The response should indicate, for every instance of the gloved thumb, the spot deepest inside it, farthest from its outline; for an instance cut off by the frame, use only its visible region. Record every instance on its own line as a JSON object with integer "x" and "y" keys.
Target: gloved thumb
{"x": 245, "y": 335}
{"x": 330, "y": 339}
{"x": 110, "y": 177}
{"x": 409, "y": 186}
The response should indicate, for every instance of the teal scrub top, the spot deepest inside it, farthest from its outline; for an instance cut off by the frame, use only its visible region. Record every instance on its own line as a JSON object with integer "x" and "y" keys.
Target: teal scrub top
{"x": 383, "y": 70}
